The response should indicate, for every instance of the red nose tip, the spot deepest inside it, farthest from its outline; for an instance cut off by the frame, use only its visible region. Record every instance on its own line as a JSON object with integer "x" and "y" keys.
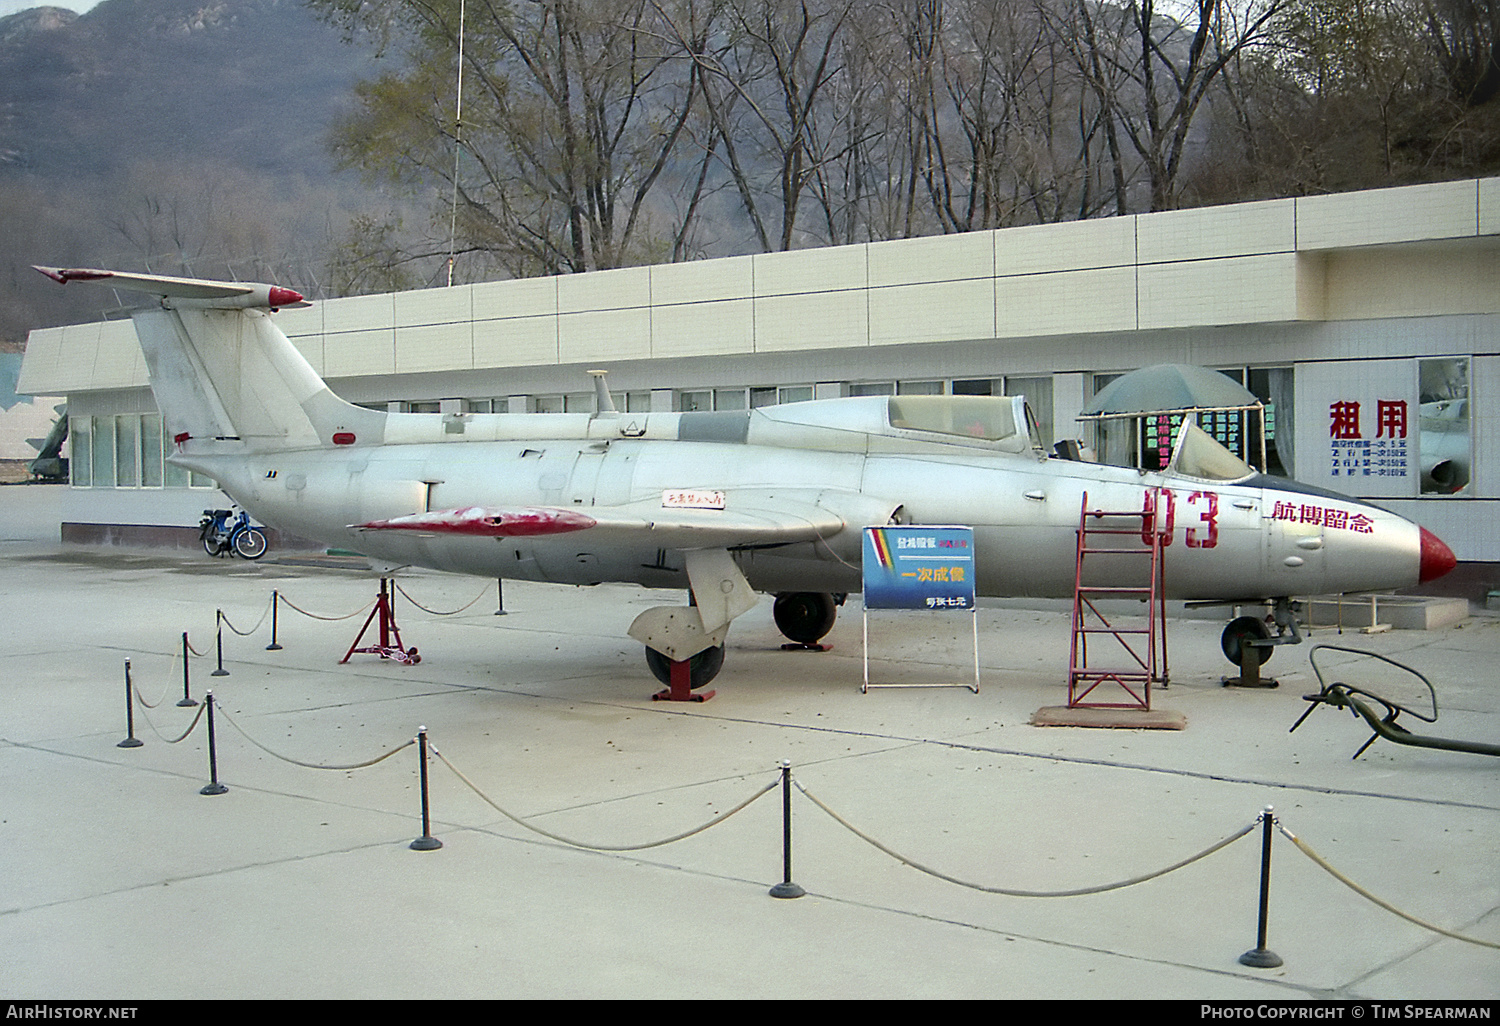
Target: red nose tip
{"x": 1437, "y": 558}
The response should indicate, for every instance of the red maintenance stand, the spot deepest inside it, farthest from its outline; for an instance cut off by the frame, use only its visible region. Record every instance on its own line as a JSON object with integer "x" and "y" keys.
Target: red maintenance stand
{"x": 385, "y": 609}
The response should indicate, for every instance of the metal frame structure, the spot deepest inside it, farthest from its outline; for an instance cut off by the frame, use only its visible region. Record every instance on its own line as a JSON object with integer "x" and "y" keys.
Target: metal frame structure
{"x": 867, "y": 685}
{"x": 1141, "y": 416}
{"x": 1139, "y": 670}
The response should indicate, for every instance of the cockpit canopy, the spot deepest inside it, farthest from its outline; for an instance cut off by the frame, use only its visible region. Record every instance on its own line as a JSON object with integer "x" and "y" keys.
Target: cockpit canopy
{"x": 898, "y": 423}
{"x": 1199, "y": 455}
{"x": 977, "y": 417}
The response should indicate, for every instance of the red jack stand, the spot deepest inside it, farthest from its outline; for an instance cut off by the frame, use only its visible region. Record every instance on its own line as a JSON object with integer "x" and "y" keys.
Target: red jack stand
{"x": 681, "y": 689}
{"x": 388, "y": 631}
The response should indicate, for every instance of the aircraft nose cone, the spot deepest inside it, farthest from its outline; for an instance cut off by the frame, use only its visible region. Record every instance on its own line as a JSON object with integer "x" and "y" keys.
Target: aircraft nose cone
{"x": 1437, "y": 558}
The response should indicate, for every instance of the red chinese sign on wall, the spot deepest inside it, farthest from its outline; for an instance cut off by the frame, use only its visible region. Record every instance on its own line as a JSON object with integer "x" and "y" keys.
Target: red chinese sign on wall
{"x": 1358, "y": 427}
{"x": 1355, "y": 455}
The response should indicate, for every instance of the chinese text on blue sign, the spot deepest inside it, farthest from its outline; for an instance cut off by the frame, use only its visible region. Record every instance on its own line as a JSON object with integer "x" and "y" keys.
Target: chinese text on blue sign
{"x": 919, "y": 568}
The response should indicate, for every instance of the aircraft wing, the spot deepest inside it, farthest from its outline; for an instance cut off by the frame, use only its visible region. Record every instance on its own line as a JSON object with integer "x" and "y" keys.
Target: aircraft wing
{"x": 745, "y": 522}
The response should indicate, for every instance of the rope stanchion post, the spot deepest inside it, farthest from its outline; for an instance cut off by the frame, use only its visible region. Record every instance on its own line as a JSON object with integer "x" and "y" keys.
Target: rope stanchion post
{"x": 219, "y": 643}
{"x": 1261, "y": 957}
{"x": 131, "y": 741}
{"x": 275, "y": 604}
{"x": 499, "y": 596}
{"x": 213, "y": 786}
{"x": 426, "y": 842}
{"x": 187, "y": 696}
{"x": 786, "y": 889}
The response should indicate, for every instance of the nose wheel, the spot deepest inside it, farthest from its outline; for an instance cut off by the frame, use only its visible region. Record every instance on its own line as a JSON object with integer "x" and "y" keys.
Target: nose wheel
{"x": 1248, "y": 643}
{"x": 1243, "y": 631}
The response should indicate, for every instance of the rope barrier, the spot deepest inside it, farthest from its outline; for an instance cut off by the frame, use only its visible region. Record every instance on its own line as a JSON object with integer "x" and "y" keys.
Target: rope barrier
{"x": 315, "y": 616}
{"x": 245, "y": 634}
{"x": 1357, "y": 889}
{"x": 435, "y": 612}
{"x": 195, "y": 651}
{"x": 165, "y": 688}
{"x": 598, "y": 847}
{"x": 1013, "y": 892}
{"x": 181, "y": 737}
{"x": 314, "y": 765}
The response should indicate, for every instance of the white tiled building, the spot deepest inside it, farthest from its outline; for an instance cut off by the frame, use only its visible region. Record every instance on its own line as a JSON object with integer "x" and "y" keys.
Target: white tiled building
{"x": 1386, "y": 302}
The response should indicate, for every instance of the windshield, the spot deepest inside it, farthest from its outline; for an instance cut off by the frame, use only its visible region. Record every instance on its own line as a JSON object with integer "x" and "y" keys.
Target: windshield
{"x": 1199, "y": 455}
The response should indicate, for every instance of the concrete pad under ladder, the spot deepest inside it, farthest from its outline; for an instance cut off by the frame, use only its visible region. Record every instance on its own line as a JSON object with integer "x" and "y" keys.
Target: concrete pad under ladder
{"x": 1119, "y": 719}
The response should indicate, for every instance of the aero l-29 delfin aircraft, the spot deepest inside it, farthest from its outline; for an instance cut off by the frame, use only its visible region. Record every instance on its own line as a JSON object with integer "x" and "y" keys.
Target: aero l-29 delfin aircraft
{"x": 725, "y": 504}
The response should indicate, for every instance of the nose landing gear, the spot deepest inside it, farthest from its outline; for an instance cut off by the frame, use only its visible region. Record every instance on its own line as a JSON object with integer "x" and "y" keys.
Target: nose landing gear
{"x": 1248, "y": 642}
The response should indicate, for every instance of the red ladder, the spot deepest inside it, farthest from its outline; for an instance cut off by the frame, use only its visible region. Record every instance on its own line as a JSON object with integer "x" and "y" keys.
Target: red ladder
{"x": 1134, "y": 545}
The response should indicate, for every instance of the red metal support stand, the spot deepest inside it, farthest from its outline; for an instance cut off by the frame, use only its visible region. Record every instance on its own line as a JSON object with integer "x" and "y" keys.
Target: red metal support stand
{"x": 389, "y": 632}
{"x": 680, "y": 688}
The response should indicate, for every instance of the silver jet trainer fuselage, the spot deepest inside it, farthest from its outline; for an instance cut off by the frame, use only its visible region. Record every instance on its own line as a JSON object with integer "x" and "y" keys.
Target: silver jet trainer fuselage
{"x": 596, "y": 486}
{"x": 727, "y": 504}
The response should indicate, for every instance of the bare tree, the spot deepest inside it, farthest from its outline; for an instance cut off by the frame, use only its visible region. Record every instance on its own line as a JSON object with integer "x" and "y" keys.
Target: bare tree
{"x": 572, "y": 111}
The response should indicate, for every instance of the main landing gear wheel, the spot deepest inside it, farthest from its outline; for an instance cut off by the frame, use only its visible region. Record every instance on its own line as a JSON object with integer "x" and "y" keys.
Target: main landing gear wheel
{"x": 1241, "y": 630}
{"x": 702, "y": 668}
{"x": 804, "y": 616}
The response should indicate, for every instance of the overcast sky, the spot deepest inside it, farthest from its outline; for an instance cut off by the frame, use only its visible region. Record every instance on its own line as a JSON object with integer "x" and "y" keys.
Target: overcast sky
{"x": 12, "y": 6}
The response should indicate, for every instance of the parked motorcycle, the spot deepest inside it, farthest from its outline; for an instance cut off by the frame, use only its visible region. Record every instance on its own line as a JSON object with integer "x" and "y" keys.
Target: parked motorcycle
{"x": 224, "y": 533}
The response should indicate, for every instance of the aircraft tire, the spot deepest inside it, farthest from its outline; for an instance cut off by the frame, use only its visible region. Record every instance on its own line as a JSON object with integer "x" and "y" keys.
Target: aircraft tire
{"x": 250, "y": 543}
{"x": 804, "y": 616}
{"x": 1239, "y": 631}
{"x": 702, "y": 668}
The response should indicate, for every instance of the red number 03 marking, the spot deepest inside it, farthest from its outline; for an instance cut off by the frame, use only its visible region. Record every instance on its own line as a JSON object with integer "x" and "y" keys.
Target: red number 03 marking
{"x": 1163, "y": 505}
{"x": 1210, "y": 516}
{"x": 1163, "y": 516}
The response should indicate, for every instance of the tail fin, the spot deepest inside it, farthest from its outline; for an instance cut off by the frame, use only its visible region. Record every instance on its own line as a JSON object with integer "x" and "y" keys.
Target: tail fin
{"x": 222, "y": 371}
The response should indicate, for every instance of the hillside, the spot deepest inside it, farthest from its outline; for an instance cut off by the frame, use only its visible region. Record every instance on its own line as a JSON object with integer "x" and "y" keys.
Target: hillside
{"x": 166, "y": 132}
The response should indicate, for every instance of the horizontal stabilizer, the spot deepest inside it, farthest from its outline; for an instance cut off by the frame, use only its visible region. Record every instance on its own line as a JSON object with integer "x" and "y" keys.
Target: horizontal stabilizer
{"x": 209, "y": 293}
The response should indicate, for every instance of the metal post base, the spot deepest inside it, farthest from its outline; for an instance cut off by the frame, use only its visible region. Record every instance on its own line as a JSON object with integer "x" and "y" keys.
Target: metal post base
{"x": 1261, "y": 958}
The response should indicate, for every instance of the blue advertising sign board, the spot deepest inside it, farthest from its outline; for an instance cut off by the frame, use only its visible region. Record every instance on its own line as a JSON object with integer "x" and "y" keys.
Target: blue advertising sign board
{"x": 919, "y": 568}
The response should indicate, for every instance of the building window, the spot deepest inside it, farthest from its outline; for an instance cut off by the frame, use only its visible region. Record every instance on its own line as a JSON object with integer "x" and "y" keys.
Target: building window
{"x": 873, "y": 388}
{"x": 81, "y": 453}
{"x": 104, "y": 452}
{"x": 125, "y": 451}
{"x": 1038, "y": 393}
{"x": 151, "y": 450}
{"x": 1443, "y": 444}
{"x": 919, "y": 388}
